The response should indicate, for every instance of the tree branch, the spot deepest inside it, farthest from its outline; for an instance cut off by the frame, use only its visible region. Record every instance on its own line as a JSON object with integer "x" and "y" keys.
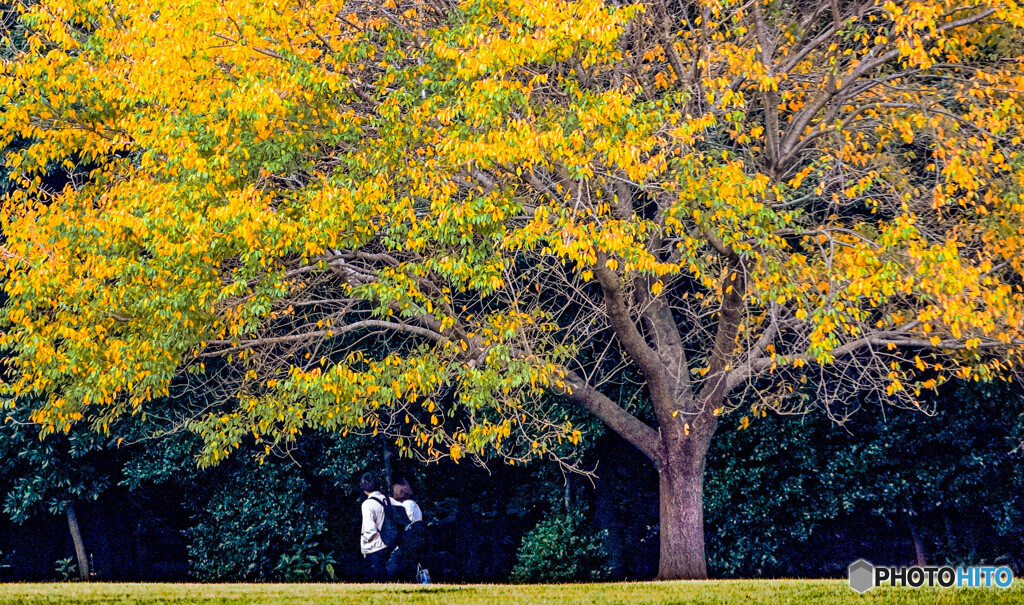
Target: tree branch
{"x": 236, "y": 346}
{"x": 632, "y": 340}
{"x": 730, "y": 317}
{"x": 628, "y": 426}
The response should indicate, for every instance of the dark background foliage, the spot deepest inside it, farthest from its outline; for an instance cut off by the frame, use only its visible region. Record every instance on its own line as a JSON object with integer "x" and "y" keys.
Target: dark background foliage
{"x": 787, "y": 496}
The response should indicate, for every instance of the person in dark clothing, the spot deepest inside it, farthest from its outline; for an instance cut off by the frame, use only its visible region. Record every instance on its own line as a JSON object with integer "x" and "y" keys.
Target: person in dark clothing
{"x": 403, "y": 560}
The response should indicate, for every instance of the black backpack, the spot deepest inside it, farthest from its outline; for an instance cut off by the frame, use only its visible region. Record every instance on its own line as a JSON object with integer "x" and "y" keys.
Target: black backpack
{"x": 395, "y": 520}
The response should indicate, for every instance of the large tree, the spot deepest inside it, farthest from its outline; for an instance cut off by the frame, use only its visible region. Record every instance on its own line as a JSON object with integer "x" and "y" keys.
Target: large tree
{"x": 435, "y": 220}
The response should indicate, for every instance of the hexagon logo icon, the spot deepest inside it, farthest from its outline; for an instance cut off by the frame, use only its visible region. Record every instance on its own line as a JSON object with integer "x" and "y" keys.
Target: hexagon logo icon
{"x": 862, "y": 576}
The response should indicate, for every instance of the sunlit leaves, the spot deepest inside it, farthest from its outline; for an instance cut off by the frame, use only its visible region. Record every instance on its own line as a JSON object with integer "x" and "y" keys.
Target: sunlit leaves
{"x": 363, "y": 210}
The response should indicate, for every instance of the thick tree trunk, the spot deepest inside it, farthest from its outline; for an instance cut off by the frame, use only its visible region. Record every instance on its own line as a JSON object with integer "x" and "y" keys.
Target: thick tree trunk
{"x": 681, "y": 478}
{"x": 76, "y": 537}
{"x": 682, "y": 526}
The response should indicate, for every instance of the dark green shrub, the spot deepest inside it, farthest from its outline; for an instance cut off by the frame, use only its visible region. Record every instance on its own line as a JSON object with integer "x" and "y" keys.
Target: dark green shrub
{"x": 250, "y": 522}
{"x": 305, "y": 563}
{"x": 562, "y": 548}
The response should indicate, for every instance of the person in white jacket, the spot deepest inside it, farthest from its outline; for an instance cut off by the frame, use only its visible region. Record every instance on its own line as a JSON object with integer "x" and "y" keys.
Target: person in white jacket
{"x": 375, "y": 552}
{"x": 401, "y": 493}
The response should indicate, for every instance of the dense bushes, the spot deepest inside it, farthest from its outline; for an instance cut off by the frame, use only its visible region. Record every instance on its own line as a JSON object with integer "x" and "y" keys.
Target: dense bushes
{"x": 804, "y": 496}
{"x": 258, "y": 525}
{"x": 785, "y": 496}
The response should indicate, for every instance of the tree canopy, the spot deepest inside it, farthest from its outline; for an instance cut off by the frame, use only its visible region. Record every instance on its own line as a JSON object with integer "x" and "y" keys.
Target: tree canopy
{"x": 433, "y": 219}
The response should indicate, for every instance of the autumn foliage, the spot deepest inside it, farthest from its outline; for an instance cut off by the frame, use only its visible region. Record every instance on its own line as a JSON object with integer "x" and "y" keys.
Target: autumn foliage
{"x": 429, "y": 218}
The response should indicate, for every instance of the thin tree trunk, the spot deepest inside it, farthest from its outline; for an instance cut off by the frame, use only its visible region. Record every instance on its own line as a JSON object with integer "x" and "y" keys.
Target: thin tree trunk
{"x": 387, "y": 455}
{"x": 919, "y": 555}
{"x": 76, "y": 537}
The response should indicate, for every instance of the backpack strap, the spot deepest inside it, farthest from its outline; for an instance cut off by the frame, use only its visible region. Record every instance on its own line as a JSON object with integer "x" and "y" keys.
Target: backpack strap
{"x": 384, "y": 509}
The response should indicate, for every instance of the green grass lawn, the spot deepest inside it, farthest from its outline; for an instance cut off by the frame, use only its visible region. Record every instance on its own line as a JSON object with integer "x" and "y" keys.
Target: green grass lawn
{"x": 745, "y": 592}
